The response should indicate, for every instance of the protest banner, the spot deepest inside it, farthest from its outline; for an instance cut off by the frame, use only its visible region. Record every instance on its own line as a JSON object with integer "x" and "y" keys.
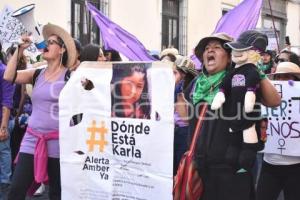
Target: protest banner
{"x": 108, "y": 150}
{"x": 283, "y": 133}
{"x": 11, "y": 30}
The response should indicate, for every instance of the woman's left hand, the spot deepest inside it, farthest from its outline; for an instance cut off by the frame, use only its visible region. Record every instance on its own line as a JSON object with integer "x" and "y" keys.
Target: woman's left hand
{"x": 3, "y": 133}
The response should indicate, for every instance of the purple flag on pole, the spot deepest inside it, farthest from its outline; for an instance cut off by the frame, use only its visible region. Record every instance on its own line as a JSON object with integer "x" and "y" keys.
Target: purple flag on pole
{"x": 115, "y": 37}
{"x": 243, "y": 17}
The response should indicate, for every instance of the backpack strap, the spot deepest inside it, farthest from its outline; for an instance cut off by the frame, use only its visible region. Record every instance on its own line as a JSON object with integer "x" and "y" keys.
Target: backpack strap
{"x": 67, "y": 75}
{"x": 35, "y": 75}
{"x": 38, "y": 71}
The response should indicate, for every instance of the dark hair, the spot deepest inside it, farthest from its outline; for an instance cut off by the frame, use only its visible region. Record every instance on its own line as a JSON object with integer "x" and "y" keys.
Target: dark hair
{"x": 115, "y": 56}
{"x": 65, "y": 54}
{"x": 90, "y": 52}
{"x": 1, "y": 55}
{"x": 121, "y": 71}
{"x": 155, "y": 56}
{"x": 78, "y": 48}
{"x": 292, "y": 57}
{"x": 22, "y": 62}
{"x": 77, "y": 45}
{"x": 264, "y": 119}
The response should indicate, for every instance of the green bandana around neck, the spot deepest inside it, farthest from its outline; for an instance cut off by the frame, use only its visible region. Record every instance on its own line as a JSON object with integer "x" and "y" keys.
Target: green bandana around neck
{"x": 264, "y": 67}
{"x": 206, "y": 87}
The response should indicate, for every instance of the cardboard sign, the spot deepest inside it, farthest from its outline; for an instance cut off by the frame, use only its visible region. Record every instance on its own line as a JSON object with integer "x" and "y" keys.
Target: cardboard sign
{"x": 11, "y": 30}
{"x": 283, "y": 133}
{"x": 116, "y": 132}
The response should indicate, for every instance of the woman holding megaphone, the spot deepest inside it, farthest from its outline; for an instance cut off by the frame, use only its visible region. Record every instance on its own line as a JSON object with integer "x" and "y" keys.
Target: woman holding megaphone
{"x": 38, "y": 158}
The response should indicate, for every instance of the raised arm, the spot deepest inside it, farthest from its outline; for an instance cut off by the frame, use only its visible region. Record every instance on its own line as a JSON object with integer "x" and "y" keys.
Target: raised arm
{"x": 11, "y": 73}
{"x": 270, "y": 96}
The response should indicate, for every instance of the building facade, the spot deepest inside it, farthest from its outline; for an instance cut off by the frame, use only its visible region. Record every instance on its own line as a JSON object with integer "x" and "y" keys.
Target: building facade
{"x": 162, "y": 23}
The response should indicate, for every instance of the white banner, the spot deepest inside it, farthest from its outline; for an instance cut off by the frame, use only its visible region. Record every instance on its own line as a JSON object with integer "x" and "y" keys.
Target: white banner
{"x": 109, "y": 151}
{"x": 283, "y": 133}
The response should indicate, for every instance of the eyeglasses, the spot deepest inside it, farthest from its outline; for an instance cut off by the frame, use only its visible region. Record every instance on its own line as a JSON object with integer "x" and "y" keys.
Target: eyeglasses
{"x": 51, "y": 42}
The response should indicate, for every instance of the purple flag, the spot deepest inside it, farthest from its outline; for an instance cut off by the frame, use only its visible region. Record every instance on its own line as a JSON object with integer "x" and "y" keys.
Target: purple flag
{"x": 115, "y": 37}
{"x": 243, "y": 17}
{"x": 196, "y": 62}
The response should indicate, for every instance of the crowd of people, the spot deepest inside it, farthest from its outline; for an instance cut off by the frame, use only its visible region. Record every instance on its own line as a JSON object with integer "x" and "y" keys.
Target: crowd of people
{"x": 29, "y": 146}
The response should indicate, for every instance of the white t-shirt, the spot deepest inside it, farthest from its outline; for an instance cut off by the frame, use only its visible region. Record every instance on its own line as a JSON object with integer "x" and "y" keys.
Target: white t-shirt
{"x": 276, "y": 159}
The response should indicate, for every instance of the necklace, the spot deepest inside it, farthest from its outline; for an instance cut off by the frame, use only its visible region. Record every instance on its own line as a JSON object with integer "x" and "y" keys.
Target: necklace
{"x": 51, "y": 77}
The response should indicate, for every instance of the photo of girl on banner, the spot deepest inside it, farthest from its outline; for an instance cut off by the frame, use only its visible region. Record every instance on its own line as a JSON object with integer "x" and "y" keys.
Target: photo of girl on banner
{"x": 129, "y": 91}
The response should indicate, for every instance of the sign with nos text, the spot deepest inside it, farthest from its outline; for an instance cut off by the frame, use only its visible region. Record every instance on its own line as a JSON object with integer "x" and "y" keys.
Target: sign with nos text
{"x": 116, "y": 132}
{"x": 283, "y": 133}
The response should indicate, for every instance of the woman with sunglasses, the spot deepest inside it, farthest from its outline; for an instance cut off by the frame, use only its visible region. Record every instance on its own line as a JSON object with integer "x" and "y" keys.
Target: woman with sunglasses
{"x": 42, "y": 132}
{"x": 287, "y": 56}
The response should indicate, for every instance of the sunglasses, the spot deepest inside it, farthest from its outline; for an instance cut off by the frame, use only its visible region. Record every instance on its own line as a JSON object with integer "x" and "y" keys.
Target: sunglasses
{"x": 51, "y": 42}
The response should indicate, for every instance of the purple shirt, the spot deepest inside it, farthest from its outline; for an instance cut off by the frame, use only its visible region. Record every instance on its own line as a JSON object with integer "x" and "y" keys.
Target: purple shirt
{"x": 6, "y": 91}
{"x": 44, "y": 117}
{"x": 178, "y": 121}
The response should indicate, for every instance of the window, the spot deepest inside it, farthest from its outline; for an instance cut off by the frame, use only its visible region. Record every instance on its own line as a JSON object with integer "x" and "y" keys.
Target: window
{"x": 170, "y": 22}
{"x": 279, "y": 12}
{"x": 183, "y": 7}
{"x": 83, "y": 26}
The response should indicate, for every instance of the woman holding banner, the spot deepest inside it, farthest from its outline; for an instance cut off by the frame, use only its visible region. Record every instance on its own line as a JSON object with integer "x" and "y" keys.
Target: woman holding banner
{"x": 281, "y": 172}
{"x": 221, "y": 180}
{"x": 92, "y": 52}
{"x": 38, "y": 158}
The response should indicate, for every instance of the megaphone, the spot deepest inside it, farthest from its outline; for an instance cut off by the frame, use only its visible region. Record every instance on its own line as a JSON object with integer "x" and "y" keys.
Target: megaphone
{"x": 25, "y": 16}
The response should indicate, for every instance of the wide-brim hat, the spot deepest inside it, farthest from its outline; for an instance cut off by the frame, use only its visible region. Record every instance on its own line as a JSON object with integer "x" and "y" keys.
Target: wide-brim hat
{"x": 286, "y": 68}
{"x": 51, "y": 29}
{"x": 223, "y": 37}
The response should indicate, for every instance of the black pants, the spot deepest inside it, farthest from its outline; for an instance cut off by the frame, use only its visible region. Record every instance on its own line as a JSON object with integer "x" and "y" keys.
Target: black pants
{"x": 274, "y": 178}
{"x": 226, "y": 184}
{"x": 15, "y": 141}
{"x": 180, "y": 146}
{"x": 24, "y": 176}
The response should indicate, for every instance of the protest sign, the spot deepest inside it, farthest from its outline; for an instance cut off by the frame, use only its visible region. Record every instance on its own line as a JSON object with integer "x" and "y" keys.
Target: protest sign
{"x": 283, "y": 133}
{"x": 108, "y": 150}
{"x": 11, "y": 30}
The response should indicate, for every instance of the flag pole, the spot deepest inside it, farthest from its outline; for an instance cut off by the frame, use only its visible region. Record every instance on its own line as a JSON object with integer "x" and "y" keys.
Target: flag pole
{"x": 88, "y": 21}
{"x": 272, "y": 16}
